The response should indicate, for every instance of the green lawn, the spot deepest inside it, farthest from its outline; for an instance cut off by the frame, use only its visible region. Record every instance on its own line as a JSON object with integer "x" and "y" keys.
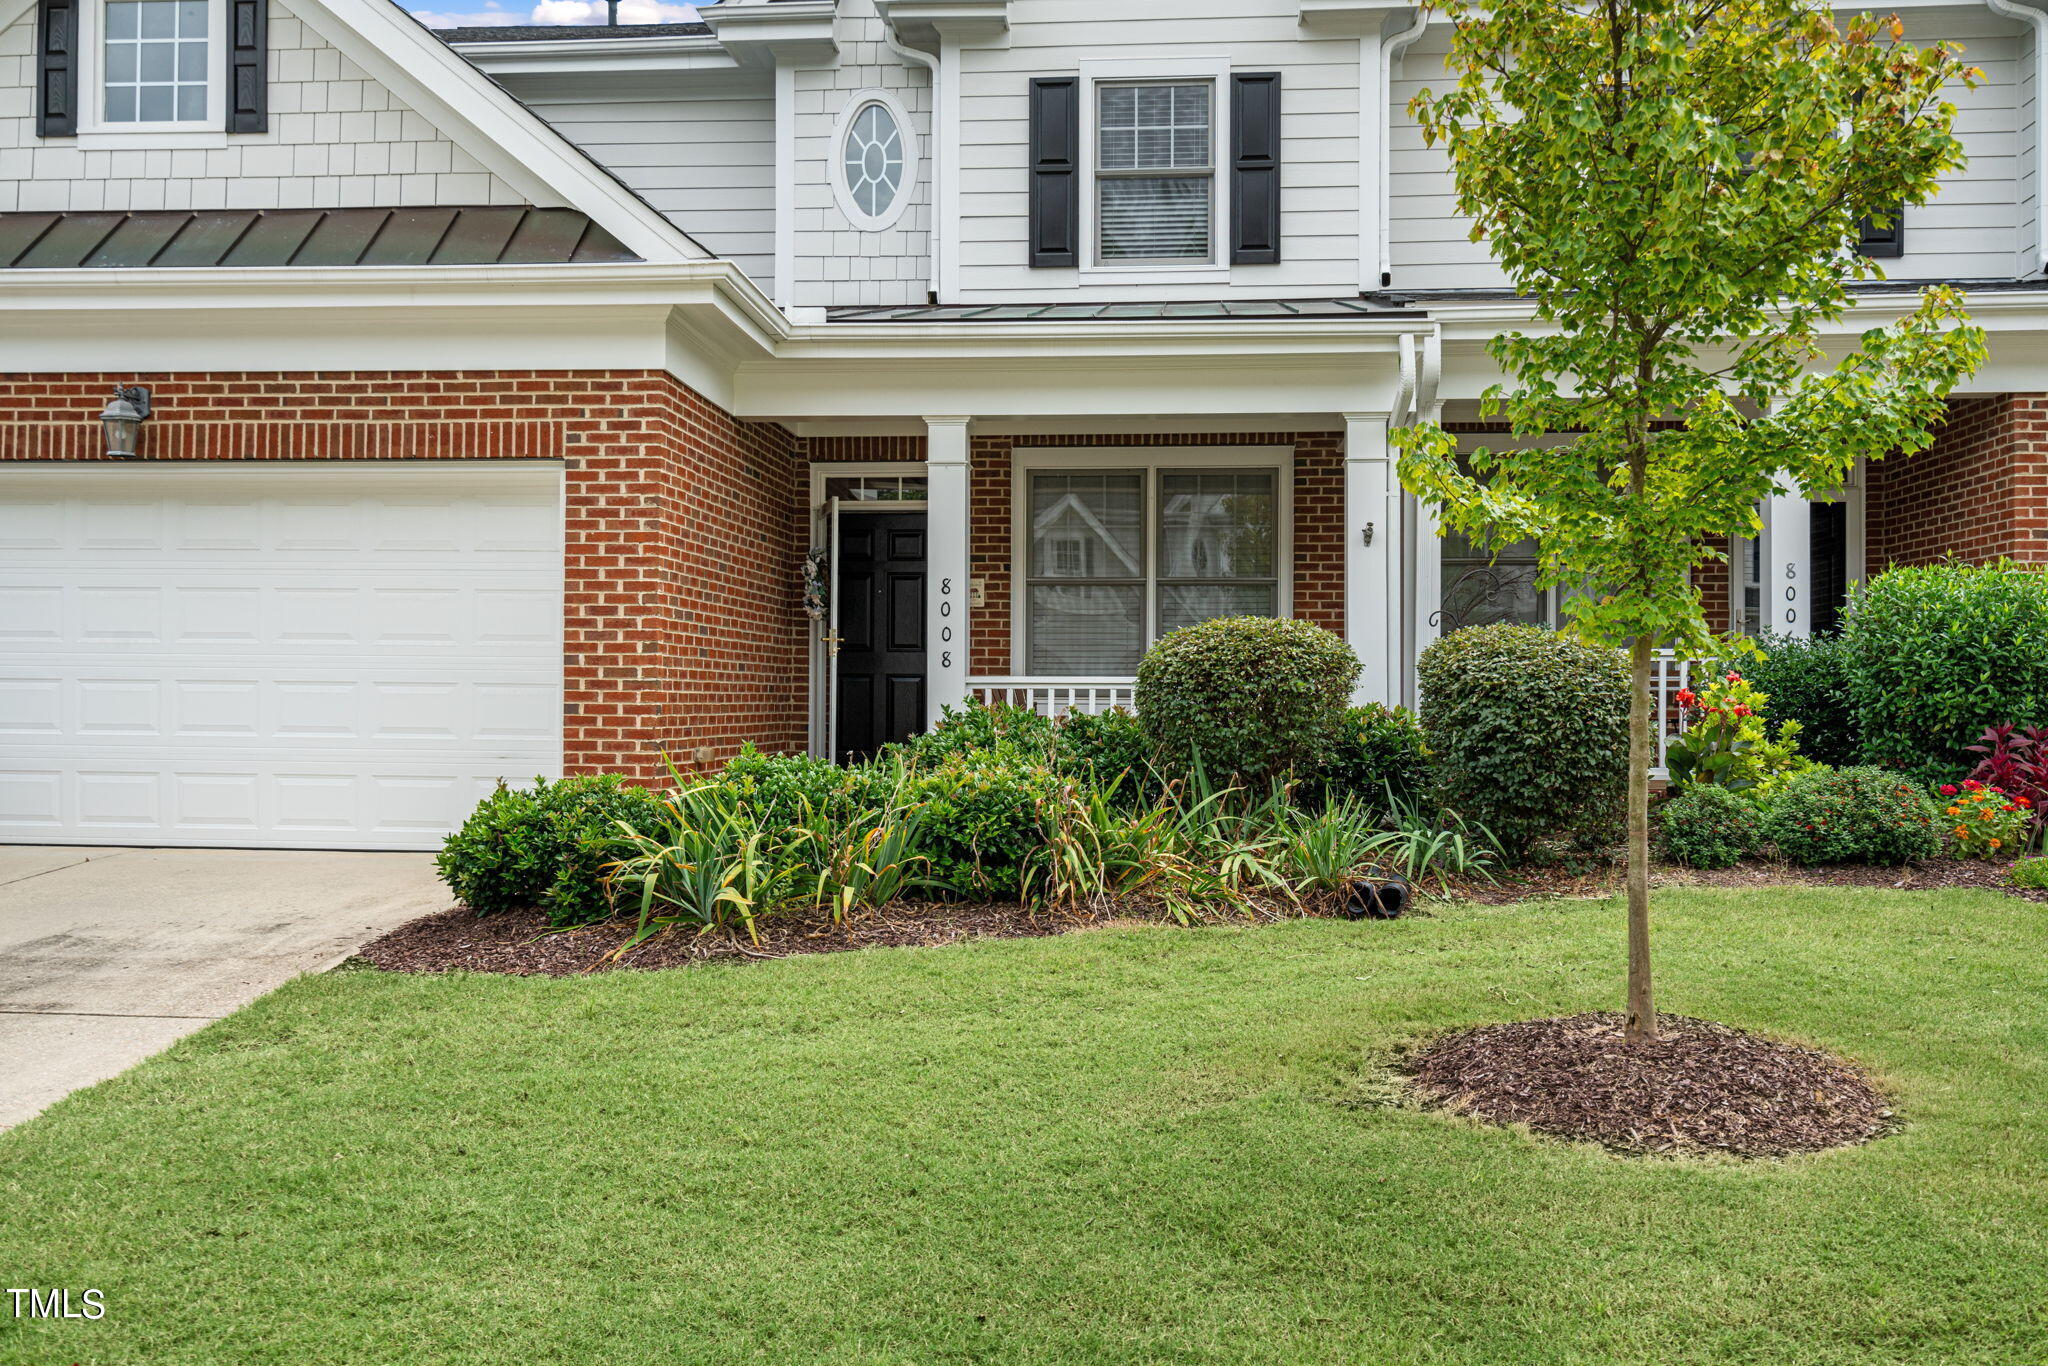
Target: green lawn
{"x": 1143, "y": 1145}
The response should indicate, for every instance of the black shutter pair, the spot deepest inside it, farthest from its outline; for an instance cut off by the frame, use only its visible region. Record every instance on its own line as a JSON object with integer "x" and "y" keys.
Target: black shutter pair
{"x": 57, "y": 90}
{"x": 1055, "y": 206}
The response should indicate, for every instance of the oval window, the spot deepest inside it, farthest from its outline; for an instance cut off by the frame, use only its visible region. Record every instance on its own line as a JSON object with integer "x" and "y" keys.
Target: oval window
{"x": 873, "y": 163}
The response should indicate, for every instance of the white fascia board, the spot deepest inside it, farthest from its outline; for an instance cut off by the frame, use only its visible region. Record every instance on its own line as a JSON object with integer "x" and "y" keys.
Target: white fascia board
{"x": 924, "y": 23}
{"x": 240, "y": 287}
{"x": 489, "y": 123}
{"x": 1998, "y": 310}
{"x": 1123, "y": 338}
{"x": 598, "y": 56}
{"x": 1059, "y": 387}
{"x": 786, "y": 33}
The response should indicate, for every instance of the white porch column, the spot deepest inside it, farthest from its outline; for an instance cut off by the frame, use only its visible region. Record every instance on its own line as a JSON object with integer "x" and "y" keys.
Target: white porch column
{"x": 1372, "y": 559}
{"x": 1788, "y": 565}
{"x": 946, "y": 566}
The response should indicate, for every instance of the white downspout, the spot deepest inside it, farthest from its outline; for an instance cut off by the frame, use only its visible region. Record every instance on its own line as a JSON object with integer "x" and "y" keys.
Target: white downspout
{"x": 935, "y": 236}
{"x": 2038, "y": 21}
{"x": 1391, "y": 52}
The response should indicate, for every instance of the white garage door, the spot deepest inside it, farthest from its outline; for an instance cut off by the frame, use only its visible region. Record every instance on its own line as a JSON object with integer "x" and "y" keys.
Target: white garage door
{"x": 298, "y": 656}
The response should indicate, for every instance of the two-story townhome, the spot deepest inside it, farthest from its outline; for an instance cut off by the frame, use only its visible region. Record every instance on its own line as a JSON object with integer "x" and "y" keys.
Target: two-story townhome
{"x": 509, "y": 401}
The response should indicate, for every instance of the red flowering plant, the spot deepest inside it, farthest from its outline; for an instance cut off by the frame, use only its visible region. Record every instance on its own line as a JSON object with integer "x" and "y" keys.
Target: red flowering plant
{"x": 2015, "y": 760}
{"x": 1727, "y": 743}
{"x": 1989, "y": 821}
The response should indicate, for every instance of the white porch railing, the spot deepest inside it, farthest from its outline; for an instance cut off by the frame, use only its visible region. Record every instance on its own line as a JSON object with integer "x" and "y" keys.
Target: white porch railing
{"x": 1056, "y": 697}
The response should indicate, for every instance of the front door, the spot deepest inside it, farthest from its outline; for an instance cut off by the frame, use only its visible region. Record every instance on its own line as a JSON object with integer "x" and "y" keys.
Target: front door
{"x": 881, "y": 629}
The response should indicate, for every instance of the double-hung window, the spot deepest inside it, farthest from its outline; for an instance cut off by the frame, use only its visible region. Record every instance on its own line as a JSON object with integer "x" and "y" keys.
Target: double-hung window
{"x": 1155, "y": 171}
{"x": 1117, "y": 558}
{"x": 156, "y": 62}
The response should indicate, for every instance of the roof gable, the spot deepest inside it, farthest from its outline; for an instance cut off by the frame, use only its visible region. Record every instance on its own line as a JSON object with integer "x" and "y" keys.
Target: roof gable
{"x": 480, "y": 118}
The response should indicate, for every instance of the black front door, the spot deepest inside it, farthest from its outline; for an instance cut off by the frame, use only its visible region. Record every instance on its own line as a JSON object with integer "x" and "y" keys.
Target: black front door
{"x": 881, "y": 630}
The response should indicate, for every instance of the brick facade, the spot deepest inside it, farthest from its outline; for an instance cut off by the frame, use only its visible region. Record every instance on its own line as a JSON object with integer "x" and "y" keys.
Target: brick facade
{"x": 1318, "y": 573}
{"x": 682, "y": 631}
{"x": 1979, "y": 492}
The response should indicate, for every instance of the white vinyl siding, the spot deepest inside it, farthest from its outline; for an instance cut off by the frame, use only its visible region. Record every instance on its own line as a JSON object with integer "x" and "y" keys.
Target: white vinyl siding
{"x": 1319, "y": 172}
{"x": 704, "y": 156}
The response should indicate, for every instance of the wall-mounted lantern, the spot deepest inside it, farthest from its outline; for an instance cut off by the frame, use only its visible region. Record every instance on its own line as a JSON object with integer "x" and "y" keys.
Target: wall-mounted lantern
{"x": 122, "y": 419}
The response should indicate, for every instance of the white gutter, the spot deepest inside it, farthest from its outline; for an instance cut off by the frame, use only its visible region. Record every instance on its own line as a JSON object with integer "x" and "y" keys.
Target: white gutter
{"x": 937, "y": 245}
{"x": 1392, "y": 50}
{"x": 2038, "y": 20}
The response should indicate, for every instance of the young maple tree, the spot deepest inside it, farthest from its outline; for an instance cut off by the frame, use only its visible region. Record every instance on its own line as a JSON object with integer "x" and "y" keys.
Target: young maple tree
{"x": 1677, "y": 186}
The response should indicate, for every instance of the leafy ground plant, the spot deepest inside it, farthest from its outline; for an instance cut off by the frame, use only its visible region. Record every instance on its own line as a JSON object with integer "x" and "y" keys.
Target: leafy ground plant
{"x": 1129, "y": 1145}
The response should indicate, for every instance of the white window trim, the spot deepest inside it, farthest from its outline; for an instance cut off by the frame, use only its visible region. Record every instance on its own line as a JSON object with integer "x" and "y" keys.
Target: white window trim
{"x": 1215, "y": 70}
{"x": 1149, "y": 461}
{"x": 913, "y": 161}
{"x": 96, "y": 134}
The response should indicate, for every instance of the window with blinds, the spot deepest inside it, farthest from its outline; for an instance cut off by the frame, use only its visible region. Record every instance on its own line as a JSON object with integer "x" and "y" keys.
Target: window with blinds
{"x": 1155, "y": 171}
{"x": 1117, "y": 559}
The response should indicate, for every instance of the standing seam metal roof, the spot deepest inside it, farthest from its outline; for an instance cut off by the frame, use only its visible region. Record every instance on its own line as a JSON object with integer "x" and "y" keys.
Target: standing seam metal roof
{"x": 437, "y": 236}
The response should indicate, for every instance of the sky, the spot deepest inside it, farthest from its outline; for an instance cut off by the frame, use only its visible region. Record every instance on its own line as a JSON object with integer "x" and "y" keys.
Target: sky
{"x": 494, "y": 13}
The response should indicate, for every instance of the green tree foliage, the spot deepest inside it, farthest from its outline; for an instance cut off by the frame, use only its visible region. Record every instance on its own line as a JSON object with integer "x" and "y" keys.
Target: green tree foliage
{"x": 1676, "y": 185}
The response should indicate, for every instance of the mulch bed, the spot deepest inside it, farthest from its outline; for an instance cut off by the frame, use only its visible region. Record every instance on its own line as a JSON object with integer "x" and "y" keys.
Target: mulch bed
{"x": 1524, "y": 884}
{"x": 1699, "y": 1087}
{"x": 520, "y": 943}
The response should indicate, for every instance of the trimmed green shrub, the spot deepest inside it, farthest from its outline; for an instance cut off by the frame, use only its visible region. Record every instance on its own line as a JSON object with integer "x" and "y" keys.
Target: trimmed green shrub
{"x": 2031, "y": 873}
{"x": 1808, "y": 681}
{"x": 1939, "y": 652}
{"x": 1105, "y": 748}
{"x": 779, "y": 789}
{"x": 976, "y": 726}
{"x": 1254, "y": 696}
{"x": 1528, "y": 730}
{"x": 1854, "y": 815}
{"x": 1710, "y": 827}
{"x": 984, "y": 818}
{"x": 546, "y": 847}
{"x": 1374, "y": 748}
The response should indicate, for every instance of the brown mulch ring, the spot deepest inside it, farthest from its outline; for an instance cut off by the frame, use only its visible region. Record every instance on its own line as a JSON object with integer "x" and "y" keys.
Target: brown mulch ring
{"x": 1699, "y": 1087}
{"x": 520, "y": 943}
{"x": 1524, "y": 884}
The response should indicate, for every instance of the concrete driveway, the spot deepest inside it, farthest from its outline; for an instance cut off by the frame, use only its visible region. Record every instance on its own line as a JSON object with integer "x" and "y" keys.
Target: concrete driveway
{"x": 108, "y": 955}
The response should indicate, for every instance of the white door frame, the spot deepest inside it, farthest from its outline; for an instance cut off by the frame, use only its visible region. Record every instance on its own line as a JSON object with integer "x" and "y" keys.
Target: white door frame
{"x": 822, "y": 669}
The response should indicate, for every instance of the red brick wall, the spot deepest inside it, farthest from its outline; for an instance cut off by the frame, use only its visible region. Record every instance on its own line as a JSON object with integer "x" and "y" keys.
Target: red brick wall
{"x": 682, "y": 622}
{"x": 1978, "y": 493}
{"x": 1318, "y": 517}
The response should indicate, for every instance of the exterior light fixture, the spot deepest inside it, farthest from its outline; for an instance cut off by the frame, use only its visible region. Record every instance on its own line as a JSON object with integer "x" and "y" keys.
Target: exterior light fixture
{"x": 122, "y": 419}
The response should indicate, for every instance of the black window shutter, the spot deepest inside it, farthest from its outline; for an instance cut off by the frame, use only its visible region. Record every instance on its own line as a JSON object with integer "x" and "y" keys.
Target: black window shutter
{"x": 1255, "y": 168}
{"x": 248, "y": 63}
{"x": 1882, "y": 235}
{"x": 1056, "y": 171}
{"x": 56, "y": 68}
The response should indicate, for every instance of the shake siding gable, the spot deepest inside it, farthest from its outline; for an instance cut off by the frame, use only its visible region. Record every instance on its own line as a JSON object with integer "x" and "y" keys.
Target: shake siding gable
{"x": 336, "y": 139}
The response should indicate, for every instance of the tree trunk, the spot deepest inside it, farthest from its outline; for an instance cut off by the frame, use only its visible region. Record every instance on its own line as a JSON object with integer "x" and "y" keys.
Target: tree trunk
{"x": 1642, "y": 1013}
